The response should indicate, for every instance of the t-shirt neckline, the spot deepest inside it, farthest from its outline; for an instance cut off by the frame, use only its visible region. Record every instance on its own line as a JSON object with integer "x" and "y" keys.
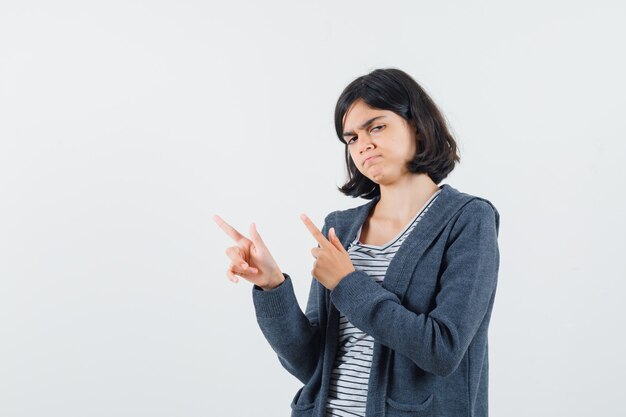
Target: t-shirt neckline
{"x": 404, "y": 229}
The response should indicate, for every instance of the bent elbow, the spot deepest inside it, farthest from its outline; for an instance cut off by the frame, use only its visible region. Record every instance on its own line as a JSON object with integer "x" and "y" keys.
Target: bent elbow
{"x": 448, "y": 365}
{"x": 303, "y": 372}
{"x": 442, "y": 364}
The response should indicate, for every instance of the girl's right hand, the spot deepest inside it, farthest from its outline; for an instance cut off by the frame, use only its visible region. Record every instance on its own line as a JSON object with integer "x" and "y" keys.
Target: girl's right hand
{"x": 250, "y": 259}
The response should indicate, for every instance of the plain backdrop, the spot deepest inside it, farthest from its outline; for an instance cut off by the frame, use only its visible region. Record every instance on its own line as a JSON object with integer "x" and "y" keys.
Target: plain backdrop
{"x": 126, "y": 125}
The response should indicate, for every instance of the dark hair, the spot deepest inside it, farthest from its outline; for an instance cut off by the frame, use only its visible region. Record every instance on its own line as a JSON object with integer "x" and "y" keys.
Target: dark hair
{"x": 395, "y": 90}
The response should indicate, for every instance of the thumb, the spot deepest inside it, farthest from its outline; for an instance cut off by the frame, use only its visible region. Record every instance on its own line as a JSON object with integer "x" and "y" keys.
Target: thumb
{"x": 255, "y": 236}
{"x": 335, "y": 240}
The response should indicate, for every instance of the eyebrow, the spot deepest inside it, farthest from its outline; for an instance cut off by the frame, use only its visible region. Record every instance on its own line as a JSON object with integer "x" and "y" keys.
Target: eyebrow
{"x": 363, "y": 126}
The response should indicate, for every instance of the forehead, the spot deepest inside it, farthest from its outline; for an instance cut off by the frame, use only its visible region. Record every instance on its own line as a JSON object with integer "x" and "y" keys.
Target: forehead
{"x": 360, "y": 112}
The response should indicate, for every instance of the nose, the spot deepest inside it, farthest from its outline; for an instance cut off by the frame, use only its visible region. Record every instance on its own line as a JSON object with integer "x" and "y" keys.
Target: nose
{"x": 365, "y": 143}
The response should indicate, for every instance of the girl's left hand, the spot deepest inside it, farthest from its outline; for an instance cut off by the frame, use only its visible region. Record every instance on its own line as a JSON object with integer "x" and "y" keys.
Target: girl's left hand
{"x": 332, "y": 261}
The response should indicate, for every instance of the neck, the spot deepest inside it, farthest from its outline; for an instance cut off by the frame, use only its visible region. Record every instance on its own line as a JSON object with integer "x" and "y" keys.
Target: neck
{"x": 402, "y": 199}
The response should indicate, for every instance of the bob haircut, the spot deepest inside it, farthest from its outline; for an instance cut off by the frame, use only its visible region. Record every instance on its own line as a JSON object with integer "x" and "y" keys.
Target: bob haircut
{"x": 394, "y": 90}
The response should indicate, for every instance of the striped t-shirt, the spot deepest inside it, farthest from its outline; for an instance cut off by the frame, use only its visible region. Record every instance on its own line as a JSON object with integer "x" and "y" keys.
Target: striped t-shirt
{"x": 349, "y": 379}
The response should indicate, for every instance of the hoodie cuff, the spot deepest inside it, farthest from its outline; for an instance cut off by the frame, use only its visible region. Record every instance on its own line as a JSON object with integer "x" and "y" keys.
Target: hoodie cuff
{"x": 356, "y": 292}
{"x": 275, "y": 302}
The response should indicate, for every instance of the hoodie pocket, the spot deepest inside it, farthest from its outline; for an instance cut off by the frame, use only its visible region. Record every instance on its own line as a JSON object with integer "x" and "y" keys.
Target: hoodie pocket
{"x": 401, "y": 409}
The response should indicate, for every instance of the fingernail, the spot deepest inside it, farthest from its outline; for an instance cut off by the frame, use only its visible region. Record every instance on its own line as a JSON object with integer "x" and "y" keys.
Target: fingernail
{"x": 244, "y": 265}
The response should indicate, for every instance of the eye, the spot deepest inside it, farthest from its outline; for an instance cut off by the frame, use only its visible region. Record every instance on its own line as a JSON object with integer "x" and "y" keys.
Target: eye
{"x": 354, "y": 137}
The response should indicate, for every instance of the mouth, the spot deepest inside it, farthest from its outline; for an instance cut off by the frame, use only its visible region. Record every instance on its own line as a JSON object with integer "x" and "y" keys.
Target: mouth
{"x": 371, "y": 158}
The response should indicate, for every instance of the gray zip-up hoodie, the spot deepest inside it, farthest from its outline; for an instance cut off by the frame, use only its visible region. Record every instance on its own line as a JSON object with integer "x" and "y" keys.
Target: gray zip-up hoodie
{"x": 429, "y": 318}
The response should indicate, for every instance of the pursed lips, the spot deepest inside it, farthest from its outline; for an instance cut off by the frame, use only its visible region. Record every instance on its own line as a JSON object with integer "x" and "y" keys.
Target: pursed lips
{"x": 371, "y": 157}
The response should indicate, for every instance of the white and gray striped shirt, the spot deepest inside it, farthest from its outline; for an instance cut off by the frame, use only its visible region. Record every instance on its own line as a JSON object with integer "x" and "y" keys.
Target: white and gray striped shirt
{"x": 349, "y": 379}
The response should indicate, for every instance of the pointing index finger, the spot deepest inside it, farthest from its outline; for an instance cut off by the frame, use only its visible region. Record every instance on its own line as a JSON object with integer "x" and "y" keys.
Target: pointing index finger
{"x": 230, "y": 231}
{"x": 319, "y": 236}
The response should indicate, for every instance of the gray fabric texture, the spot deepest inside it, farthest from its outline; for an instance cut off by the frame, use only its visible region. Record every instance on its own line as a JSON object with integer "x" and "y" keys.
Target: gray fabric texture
{"x": 429, "y": 318}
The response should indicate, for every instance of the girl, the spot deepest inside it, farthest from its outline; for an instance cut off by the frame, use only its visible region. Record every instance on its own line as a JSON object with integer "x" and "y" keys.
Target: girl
{"x": 402, "y": 286}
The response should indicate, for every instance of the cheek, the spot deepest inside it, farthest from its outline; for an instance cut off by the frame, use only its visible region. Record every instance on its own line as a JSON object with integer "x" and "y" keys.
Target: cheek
{"x": 353, "y": 160}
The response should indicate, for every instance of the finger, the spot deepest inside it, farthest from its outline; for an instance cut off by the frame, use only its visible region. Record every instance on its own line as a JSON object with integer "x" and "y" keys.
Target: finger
{"x": 319, "y": 236}
{"x": 235, "y": 254}
{"x": 234, "y": 271}
{"x": 334, "y": 239}
{"x": 255, "y": 236}
{"x": 231, "y": 276}
{"x": 230, "y": 231}
{"x": 236, "y": 257}
{"x": 234, "y": 277}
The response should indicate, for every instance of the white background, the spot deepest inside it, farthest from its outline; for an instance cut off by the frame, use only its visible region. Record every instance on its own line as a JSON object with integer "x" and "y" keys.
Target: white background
{"x": 126, "y": 125}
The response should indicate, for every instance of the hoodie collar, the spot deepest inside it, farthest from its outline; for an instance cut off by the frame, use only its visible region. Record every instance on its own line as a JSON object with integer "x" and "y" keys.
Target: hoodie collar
{"x": 449, "y": 202}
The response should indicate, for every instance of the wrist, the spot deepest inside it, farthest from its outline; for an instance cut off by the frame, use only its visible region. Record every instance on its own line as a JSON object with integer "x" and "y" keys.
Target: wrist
{"x": 280, "y": 278}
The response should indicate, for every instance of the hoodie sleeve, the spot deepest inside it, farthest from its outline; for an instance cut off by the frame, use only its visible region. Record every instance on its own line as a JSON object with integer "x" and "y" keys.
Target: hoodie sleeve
{"x": 296, "y": 337}
{"x": 435, "y": 341}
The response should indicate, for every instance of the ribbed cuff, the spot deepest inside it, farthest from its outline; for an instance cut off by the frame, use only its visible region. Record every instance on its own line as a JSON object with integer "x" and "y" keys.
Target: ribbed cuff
{"x": 275, "y": 302}
{"x": 354, "y": 290}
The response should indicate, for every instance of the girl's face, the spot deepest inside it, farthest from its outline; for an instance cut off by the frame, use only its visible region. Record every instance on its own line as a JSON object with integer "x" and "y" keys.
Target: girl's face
{"x": 379, "y": 141}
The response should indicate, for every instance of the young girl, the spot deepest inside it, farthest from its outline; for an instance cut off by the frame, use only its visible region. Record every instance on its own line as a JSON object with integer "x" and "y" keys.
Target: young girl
{"x": 402, "y": 286}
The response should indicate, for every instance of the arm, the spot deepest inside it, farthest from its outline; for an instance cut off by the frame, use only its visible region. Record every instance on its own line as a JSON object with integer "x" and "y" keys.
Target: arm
{"x": 438, "y": 340}
{"x": 294, "y": 336}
